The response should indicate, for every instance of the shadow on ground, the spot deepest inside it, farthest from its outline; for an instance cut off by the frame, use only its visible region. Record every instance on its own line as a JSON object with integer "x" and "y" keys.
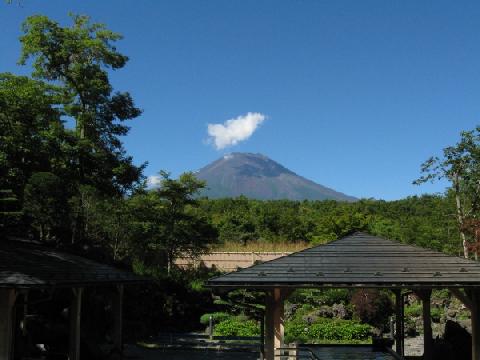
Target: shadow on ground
{"x": 135, "y": 352}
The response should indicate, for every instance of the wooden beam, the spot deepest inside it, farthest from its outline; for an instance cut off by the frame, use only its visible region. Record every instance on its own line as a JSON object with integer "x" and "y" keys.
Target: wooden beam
{"x": 462, "y": 296}
{"x": 7, "y": 302}
{"x": 75, "y": 318}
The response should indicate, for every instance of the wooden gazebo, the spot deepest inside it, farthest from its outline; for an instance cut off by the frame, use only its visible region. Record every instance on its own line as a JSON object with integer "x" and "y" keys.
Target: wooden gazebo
{"x": 25, "y": 267}
{"x": 361, "y": 261}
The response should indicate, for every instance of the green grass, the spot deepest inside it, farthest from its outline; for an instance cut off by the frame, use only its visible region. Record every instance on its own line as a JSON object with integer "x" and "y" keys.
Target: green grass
{"x": 260, "y": 246}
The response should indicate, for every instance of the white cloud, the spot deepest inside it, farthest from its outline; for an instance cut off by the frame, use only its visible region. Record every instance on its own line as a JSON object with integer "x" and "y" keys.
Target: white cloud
{"x": 154, "y": 181}
{"x": 232, "y": 131}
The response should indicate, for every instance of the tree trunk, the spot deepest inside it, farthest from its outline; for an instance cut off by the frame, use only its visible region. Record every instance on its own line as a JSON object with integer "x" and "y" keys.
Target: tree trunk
{"x": 460, "y": 214}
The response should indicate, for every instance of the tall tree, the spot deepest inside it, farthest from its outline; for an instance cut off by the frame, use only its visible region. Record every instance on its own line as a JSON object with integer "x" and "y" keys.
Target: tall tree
{"x": 78, "y": 59}
{"x": 460, "y": 165}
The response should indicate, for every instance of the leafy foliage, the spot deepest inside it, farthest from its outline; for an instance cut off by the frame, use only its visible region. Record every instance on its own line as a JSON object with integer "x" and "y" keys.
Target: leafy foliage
{"x": 460, "y": 165}
{"x": 243, "y": 302}
{"x": 168, "y": 222}
{"x": 237, "y": 326}
{"x": 320, "y": 297}
{"x": 427, "y": 220}
{"x": 45, "y": 202}
{"x": 32, "y": 137}
{"x": 217, "y": 317}
{"x": 326, "y": 329}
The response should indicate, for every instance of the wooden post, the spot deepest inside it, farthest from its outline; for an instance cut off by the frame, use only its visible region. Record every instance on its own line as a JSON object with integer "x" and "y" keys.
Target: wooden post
{"x": 274, "y": 317}
{"x": 278, "y": 318}
{"x": 262, "y": 338}
{"x": 7, "y": 302}
{"x": 117, "y": 308}
{"x": 75, "y": 317}
{"x": 475, "y": 318}
{"x": 269, "y": 349}
{"x": 427, "y": 325}
{"x": 398, "y": 322}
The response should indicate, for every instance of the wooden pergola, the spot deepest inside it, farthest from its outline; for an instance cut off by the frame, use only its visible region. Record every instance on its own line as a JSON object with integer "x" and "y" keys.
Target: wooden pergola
{"x": 361, "y": 260}
{"x": 26, "y": 267}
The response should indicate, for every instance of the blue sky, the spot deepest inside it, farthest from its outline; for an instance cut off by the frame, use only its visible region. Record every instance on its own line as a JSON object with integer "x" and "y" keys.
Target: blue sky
{"x": 354, "y": 94}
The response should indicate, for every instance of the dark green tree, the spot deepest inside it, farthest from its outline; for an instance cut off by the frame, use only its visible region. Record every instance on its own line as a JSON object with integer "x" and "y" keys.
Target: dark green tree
{"x": 31, "y": 131}
{"x": 169, "y": 221}
{"x": 10, "y": 213}
{"x": 45, "y": 202}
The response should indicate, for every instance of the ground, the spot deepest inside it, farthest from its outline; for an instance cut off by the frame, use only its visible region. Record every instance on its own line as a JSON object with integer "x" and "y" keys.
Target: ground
{"x": 135, "y": 352}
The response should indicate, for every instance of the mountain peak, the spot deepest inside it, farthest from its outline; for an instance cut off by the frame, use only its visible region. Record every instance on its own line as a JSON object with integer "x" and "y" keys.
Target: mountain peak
{"x": 259, "y": 177}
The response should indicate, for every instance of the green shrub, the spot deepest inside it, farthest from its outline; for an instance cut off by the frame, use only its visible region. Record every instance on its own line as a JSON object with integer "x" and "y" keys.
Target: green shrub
{"x": 326, "y": 329}
{"x": 413, "y": 310}
{"x": 339, "y": 330}
{"x": 216, "y": 316}
{"x": 237, "y": 327}
{"x": 436, "y": 313}
{"x": 296, "y": 331}
{"x": 441, "y": 294}
{"x": 320, "y": 297}
{"x": 334, "y": 296}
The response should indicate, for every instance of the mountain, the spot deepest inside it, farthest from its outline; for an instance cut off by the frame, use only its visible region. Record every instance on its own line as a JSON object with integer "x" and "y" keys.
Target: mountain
{"x": 258, "y": 177}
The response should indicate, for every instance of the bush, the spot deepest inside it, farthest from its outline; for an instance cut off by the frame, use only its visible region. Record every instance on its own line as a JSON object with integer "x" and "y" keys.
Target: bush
{"x": 237, "y": 326}
{"x": 296, "y": 331}
{"x": 414, "y": 310}
{"x": 320, "y": 297}
{"x": 339, "y": 330}
{"x": 436, "y": 314}
{"x": 217, "y": 317}
{"x": 326, "y": 329}
{"x": 334, "y": 296}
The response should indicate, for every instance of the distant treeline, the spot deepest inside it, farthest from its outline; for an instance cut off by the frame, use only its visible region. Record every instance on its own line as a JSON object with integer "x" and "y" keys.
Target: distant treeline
{"x": 428, "y": 220}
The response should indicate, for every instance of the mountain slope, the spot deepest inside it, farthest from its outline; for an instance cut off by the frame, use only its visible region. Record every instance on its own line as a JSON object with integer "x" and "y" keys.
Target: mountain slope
{"x": 258, "y": 177}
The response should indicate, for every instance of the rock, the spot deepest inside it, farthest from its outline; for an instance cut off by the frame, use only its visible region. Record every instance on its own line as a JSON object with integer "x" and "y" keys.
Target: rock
{"x": 325, "y": 311}
{"x": 310, "y": 318}
{"x": 376, "y": 332}
{"x": 290, "y": 309}
{"x": 340, "y": 311}
{"x": 466, "y": 324}
{"x": 451, "y": 313}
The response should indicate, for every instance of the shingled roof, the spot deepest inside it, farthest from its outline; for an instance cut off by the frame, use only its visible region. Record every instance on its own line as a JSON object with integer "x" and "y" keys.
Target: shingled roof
{"x": 25, "y": 265}
{"x": 358, "y": 260}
